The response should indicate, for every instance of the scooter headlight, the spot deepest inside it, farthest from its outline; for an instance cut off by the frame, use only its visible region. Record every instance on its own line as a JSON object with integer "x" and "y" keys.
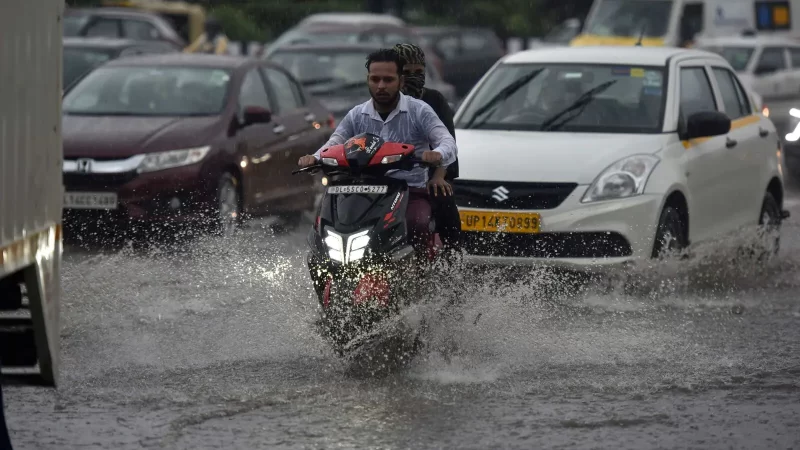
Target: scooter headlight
{"x": 346, "y": 249}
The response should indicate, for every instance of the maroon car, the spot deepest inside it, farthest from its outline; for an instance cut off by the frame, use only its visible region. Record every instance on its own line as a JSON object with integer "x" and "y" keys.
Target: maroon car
{"x": 188, "y": 138}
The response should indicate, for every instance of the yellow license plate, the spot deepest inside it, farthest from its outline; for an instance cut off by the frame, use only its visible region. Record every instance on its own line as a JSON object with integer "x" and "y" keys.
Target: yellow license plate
{"x": 503, "y": 222}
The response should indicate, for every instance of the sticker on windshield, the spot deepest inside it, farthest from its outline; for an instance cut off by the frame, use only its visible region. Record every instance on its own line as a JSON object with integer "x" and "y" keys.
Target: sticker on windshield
{"x": 626, "y": 71}
{"x": 652, "y": 78}
{"x": 637, "y": 72}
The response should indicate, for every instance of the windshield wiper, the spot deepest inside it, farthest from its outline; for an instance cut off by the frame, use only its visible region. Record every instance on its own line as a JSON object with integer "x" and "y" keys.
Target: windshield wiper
{"x": 578, "y": 106}
{"x": 504, "y": 93}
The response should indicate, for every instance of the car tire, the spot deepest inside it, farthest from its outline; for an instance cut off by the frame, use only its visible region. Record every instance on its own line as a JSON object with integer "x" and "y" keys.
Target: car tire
{"x": 670, "y": 233}
{"x": 228, "y": 208}
{"x": 769, "y": 228}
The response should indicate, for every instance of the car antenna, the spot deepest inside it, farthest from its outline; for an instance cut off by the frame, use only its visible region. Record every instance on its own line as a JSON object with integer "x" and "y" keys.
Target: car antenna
{"x": 641, "y": 36}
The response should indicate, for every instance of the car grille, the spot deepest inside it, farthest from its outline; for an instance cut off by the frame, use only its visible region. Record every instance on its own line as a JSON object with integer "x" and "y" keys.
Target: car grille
{"x": 506, "y": 195}
{"x": 547, "y": 245}
{"x": 97, "y": 181}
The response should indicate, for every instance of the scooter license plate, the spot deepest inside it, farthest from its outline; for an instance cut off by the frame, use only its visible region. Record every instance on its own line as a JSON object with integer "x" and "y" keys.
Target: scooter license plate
{"x": 358, "y": 189}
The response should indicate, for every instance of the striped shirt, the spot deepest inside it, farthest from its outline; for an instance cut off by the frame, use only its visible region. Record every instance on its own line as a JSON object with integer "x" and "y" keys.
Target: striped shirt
{"x": 412, "y": 122}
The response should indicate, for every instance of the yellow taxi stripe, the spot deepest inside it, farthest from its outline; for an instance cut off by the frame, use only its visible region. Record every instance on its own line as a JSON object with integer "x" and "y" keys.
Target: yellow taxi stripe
{"x": 584, "y": 40}
{"x": 735, "y": 124}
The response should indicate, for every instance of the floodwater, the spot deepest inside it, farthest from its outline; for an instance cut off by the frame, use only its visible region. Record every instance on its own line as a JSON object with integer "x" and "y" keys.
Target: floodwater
{"x": 211, "y": 344}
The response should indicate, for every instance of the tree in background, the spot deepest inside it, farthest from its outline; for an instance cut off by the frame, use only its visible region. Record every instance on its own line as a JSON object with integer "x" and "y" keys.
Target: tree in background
{"x": 264, "y": 20}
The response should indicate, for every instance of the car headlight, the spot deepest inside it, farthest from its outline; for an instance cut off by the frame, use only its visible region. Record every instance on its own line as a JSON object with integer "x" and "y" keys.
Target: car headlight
{"x": 625, "y": 178}
{"x": 349, "y": 249}
{"x": 173, "y": 158}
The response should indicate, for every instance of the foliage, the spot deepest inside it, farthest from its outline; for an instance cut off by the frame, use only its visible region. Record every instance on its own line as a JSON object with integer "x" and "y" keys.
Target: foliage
{"x": 239, "y": 26}
{"x": 263, "y": 20}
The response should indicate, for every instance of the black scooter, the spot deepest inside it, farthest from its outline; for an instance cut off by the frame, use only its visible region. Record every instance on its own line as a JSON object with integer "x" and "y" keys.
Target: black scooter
{"x": 361, "y": 261}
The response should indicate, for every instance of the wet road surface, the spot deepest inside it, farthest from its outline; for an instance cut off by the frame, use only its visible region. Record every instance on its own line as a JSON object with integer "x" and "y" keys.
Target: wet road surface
{"x": 211, "y": 345}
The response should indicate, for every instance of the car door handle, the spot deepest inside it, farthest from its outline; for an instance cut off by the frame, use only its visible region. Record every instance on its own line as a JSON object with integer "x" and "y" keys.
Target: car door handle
{"x": 762, "y": 132}
{"x": 279, "y": 129}
{"x": 310, "y": 117}
{"x": 730, "y": 143}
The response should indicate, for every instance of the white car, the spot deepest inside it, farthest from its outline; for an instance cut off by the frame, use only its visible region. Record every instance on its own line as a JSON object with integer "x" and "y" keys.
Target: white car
{"x": 669, "y": 150}
{"x": 770, "y": 65}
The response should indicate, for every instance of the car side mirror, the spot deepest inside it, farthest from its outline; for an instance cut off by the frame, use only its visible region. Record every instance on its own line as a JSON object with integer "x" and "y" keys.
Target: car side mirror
{"x": 256, "y": 114}
{"x": 707, "y": 124}
{"x": 765, "y": 70}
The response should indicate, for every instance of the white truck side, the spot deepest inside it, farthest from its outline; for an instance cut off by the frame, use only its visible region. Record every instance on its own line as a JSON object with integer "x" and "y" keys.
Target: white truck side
{"x": 31, "y": 189}
{"x": 678, "y": 23}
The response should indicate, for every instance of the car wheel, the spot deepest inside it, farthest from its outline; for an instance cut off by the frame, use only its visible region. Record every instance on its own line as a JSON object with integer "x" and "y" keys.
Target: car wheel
{"x": 229, "y": 205}
{"x": 670, "y": 234}
{"x": 769, "y": 228}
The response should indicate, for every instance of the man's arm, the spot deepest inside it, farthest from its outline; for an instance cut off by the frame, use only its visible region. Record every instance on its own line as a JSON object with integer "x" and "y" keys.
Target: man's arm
{"x": 438, "y": 135}
{"x": 343, "y": 132}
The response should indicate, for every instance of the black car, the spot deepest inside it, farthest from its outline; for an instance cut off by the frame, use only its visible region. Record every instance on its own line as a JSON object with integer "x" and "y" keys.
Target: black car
{"x": 335, "y": 73}
{"x": 120, "y": 23}
{"x": 466, "y": 53}
{"x": 81, "y": 55}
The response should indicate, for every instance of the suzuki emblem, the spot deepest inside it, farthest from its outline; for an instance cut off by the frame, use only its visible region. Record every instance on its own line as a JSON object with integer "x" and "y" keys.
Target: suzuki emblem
{"x": 500, "y": 193}
{"x": 84, "y": 165}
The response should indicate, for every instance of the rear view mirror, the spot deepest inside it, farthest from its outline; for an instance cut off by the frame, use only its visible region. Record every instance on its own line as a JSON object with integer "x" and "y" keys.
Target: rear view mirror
{"x": 707, "y": 124}
{"x": 256, "y": 114}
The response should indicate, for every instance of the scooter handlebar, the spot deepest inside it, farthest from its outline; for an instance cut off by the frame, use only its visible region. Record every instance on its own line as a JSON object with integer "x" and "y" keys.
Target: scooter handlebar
{"x": 318, "y": 165}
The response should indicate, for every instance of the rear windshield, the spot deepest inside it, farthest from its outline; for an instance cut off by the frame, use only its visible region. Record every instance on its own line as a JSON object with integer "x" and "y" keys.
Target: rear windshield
{"x": 79, "y": 61}
{"x": 737, "y": 57}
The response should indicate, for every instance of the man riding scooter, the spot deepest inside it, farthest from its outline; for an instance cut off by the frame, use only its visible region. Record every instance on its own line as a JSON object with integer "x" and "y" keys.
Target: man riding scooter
{"x": 443, "y": 204}
{"x": 397, "y": 117}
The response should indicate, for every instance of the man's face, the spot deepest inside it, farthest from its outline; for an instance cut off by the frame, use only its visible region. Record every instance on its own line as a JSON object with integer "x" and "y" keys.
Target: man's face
{"x": 384, "y": 82}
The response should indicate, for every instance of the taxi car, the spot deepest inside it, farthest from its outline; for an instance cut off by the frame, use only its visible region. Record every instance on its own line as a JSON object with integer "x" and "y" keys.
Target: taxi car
{"x": 605, "y": 155}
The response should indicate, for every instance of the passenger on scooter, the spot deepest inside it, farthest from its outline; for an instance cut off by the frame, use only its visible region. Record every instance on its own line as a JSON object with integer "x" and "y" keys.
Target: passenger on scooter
{"x": 443, "y": 204}
{"x": 397, "y": 117}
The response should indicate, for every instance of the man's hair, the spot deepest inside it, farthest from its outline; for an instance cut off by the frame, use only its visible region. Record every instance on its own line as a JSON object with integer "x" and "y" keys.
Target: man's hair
{"x": 385, "y": 55}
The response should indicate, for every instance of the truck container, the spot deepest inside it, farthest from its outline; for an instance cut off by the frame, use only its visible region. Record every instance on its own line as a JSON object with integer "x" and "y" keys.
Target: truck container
{"x": 31, "y": 189}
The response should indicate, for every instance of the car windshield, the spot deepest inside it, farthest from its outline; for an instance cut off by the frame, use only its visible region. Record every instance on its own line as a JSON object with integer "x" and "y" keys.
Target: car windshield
{"x": 78, "y": 61}
{"x": 324, "y": 67}
{"x": 149, "y": 91}
{"x": 737, "y": 57}
{"x": 585, "y": 97}
{"x": 630, "y": 18}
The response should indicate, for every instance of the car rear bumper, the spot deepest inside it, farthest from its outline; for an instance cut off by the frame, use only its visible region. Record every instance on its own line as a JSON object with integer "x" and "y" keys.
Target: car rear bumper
{"x": 574, "y": 235}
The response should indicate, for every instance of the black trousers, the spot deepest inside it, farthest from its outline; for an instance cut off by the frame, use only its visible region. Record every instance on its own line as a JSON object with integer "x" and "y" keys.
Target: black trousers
{"x": 448, "y": 222}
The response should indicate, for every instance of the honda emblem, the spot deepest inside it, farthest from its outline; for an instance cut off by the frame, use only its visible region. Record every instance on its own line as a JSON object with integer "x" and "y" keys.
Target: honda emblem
{"x": 84, "y": 165}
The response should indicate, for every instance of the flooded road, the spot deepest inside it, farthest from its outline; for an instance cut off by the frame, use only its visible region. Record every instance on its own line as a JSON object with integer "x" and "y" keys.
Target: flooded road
{"x": 211, "y": 345}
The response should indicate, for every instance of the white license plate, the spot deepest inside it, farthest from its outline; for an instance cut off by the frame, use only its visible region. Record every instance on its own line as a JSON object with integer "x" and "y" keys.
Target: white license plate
{"x": 90, "y": 200}
{"x": 359, "y": 189}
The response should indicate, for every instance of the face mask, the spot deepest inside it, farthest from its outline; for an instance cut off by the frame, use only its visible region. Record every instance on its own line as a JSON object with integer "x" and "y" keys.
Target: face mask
{"x": 413, "y": 84}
